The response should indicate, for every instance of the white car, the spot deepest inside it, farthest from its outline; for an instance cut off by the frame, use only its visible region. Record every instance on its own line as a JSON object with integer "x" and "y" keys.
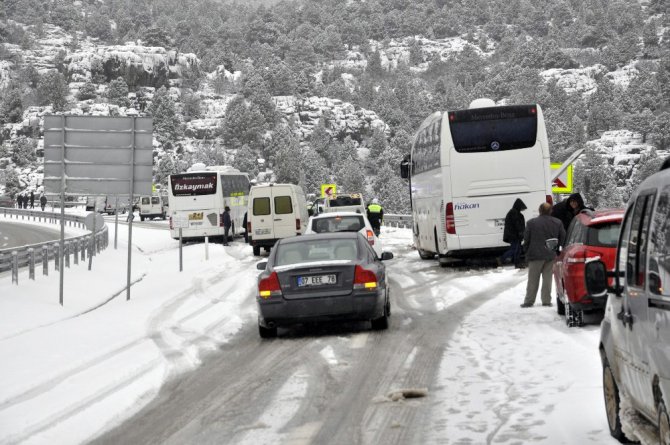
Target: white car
{"x": 345, "y": 222}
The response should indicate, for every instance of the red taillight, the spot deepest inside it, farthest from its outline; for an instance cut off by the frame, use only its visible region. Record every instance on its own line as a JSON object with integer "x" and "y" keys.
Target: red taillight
{"x": 550, "y": 199}
{"x": 371, "y": 237}
{"x": 533, "y": 110}
{"x": 451, "y": 222}
{"x": 221, "y": 220}
{"x": 269, "y": 286}
{"x": 297, "y": 224}
{"x": 364, "y": 279}
{"x": 452, "y": 117}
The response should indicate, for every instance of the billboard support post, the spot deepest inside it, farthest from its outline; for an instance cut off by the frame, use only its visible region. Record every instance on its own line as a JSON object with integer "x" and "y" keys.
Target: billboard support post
{"x": 63, "y": 184}
{"x": 130, "y": 220}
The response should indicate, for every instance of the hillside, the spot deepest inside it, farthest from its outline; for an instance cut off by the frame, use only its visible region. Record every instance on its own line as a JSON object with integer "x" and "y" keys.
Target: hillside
{"x": 315, "y": 91}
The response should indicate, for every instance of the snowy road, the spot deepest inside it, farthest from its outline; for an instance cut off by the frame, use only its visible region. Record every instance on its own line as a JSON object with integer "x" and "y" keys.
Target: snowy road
{"x": 13, "y": 234}
{"x": 182, "y": 361}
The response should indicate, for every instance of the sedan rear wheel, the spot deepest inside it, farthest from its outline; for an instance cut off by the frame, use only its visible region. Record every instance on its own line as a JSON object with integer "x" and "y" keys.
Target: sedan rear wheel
{"x": 663, "y": 425}
{"x": 560, "y": 306}
{"x": 382, "y": 323}
{"x": 612, "y": 402}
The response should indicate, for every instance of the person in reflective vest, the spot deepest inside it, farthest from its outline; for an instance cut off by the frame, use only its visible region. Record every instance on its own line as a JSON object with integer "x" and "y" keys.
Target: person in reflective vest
{"x": 375, "y": 215}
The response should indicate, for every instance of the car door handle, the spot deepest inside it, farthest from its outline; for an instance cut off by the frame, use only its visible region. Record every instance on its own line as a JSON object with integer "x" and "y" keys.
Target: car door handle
{"x": 279, "y": 219}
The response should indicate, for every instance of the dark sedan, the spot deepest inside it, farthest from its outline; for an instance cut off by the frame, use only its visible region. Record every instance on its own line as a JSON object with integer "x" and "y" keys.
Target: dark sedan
{"x": 321, "y": 277}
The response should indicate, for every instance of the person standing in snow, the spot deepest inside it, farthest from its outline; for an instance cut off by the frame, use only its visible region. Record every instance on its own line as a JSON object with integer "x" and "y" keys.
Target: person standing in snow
{"x": 43, "y": 201}
{"x": 515, "y": 224}
{"x": 32, "y": 199}
{"x": 567, "y": 209}
{"x": 227, "y": 223}
{"x": 541, "y": 258}
{"x": 375, "y": 214}
{"x": 246, "y": 233}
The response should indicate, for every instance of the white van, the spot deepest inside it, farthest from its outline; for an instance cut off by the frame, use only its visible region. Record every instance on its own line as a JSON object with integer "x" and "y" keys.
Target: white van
{"x": 352, "y": 202}
{"x": 275, "y": 211}
{"x": 635, "y": 332}
{"x": 152, "y": 207}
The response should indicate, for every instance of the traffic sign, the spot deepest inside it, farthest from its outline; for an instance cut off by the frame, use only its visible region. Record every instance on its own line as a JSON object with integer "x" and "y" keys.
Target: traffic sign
{"x": 328, "y": 190}
{"x": 563, "y": 182}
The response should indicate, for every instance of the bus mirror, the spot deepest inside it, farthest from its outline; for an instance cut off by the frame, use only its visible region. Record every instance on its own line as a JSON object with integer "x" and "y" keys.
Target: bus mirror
{"x": 404, "y": 167}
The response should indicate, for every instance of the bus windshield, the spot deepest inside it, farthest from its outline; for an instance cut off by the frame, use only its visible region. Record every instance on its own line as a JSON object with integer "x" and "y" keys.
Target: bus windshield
{"x": 194, "y": 184}
{"x": 493, "y": 129}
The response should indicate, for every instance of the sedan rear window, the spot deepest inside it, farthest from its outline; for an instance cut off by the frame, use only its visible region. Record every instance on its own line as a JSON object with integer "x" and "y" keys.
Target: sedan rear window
{"x": 308, "y": 250}
{"x": 605, "y": 235}
{"x": 338, "y": 224}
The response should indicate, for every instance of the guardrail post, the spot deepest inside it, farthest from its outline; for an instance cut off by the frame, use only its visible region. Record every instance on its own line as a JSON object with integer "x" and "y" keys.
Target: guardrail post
{"x": 45, "y": 260}
{"x": 67, "y": 254}
{"x": 57, "y": 257}
{"x": 15, "y": 267}
{"x": 31, "y": 263}
{"x": 76, "y": 251}
{"x": 83, "y": 249}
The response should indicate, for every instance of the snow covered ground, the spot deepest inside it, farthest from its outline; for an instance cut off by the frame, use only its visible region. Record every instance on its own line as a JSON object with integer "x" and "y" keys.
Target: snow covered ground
{"x": 508, "y": 375}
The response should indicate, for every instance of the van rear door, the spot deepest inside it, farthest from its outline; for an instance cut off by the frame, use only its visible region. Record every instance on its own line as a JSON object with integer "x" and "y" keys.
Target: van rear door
{"x": 261, "y": 213}
{"x": 284, "y": 215}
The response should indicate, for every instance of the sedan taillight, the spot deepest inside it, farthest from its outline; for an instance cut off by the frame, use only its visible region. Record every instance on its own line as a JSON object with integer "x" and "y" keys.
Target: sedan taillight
{"x": 371, "y": 237}
{"x": 269, "y": 287}
{"x": 364, "y": 279}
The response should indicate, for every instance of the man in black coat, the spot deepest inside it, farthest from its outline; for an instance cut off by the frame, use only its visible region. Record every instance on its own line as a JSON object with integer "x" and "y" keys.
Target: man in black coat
{"x": 32, "y": 199}
{"x": 515, "y": 224}
{"x": 567, "y": 209}
{"x": 227, "y": 223}
{"x": 540, "y": 257}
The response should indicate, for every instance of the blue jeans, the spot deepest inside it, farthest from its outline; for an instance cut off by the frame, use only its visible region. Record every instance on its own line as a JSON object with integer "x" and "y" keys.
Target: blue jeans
{"x": 513, "y": 253}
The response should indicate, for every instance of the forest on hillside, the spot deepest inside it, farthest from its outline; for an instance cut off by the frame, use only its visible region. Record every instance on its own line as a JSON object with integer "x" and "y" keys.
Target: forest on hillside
{"x": 292, "y": 48}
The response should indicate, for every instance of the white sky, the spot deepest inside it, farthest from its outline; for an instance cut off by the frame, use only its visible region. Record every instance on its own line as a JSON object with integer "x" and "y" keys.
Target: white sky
{"x": 511, "y": 375}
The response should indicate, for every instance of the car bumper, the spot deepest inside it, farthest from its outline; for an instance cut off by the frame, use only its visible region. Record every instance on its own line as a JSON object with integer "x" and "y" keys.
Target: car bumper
{"x": 588, "y": 303}
{"x": 356, "y": 306}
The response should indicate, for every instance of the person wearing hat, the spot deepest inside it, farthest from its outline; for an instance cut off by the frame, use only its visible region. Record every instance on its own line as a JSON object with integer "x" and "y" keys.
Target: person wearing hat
{"x": 375, "y": 214}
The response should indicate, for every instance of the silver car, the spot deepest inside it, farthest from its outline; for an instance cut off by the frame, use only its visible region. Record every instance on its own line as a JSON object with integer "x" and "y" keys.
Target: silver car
{"x": 320, "y": 277}
{"x": 635, "y": 334}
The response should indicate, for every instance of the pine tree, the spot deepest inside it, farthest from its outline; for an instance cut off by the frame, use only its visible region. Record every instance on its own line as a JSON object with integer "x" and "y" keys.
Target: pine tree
{"x": 648, "y": 164}
{"x": 594, "y": 180}
{"x": 315, "y": 171}
{"x": 11, "y": 107}
{"x": 167, "y": 125}
{"x": 23, "y": 151}
{"x": 246, "y": 161}
{"x": 287, "y": 166}
{"x": 243, "y": 124}
{"x": 322, "y": 142}
{"x": 117, "y": 93}
{"x": 87, "y": 91}
{"x": 391, "y": 190}
{"x": 166, "y": 166}
{"x": 661, "y": 130}
{"x": 52, "y": 89}
{"x": 12, "y": 183}
{"x": 349, "y": 176}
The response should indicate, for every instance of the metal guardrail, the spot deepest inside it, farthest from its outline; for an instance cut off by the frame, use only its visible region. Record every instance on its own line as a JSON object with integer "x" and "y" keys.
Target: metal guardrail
{"x": 30, "y": 255}
{"x": 398, "y": 221}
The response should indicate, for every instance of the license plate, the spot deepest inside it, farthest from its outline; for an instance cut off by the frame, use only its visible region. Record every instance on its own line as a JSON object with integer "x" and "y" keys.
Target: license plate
{"x": 262, "y": 231}
{"x": 195, "y": 216}
{"x": 499, "y": 222}
{"x": 316, "y": 280}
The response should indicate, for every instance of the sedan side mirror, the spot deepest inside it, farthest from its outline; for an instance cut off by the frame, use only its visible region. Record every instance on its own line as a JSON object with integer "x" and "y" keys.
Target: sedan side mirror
{"x": 595, "y": 277}
{"x": 386, "y": 256}
{"x": 261, "y": 265}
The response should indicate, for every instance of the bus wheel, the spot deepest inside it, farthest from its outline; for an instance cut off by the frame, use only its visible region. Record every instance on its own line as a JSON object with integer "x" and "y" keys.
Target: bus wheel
{"x": 257, "y": 250}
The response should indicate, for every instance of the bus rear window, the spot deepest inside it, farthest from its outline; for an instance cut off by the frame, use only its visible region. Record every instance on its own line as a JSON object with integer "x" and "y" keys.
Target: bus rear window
{"x": 493, "y": 129}
{"x": 193, "y": 184}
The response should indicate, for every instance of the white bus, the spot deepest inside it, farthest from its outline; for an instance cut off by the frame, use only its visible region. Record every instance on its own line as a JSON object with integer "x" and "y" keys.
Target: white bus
{"x": 466, "y": 168}
{"x": 199, "y": 197}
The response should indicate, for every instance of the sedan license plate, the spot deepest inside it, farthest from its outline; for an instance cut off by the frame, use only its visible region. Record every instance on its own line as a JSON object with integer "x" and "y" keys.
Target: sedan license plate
{"x": 316, "y": 280}
{"x": 499, "y": 222}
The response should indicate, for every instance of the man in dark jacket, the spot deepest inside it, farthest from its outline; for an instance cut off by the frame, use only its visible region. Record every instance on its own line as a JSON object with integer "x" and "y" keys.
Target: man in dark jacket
{"x": 375, "y": 214}
{"x": 227, "y": 223}
{"x": 567, "y": 209}
{"x": 43, "y": 201}
{"x": 540, "y": 257}
{"x": 32, "y": 199}
{"x": 244, "y": 223}
{"x": 515, "y": 224}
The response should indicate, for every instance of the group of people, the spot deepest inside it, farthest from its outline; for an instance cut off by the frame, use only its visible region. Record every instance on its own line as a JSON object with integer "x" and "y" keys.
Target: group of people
{"x": 530, "y": 241}
{"x": 26, "y": 200}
